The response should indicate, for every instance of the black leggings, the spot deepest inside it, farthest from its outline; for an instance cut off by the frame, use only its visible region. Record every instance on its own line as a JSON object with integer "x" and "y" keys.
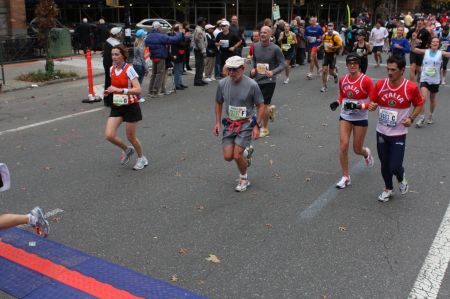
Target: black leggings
{"x": 391, "y": 150}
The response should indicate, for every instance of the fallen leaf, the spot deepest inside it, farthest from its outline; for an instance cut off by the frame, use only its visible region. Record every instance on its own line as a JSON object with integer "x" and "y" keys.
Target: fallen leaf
{"x": 177, "y": 173}
{"x": 276, "y": 175}
{"x": 47, "y": 168}
{"x": 324, "y": 124}
{"x": 174, "y": 278}
{"x": 441, "y": 182}
{"x": 268, "y": 225}
{"x": 271, "y": 162}
{"x": 213, "y": 259}
{"x": 183, "y": 158}
{"x": 183, "y": 250}
{"x": 272, "y": 145}
{"x": 308, "y": 180}
{"x": 342, "y": 228}
{"x": 200, "y": 207}
{"x": 201, "y": 282}
{"x": 320, "y": 146}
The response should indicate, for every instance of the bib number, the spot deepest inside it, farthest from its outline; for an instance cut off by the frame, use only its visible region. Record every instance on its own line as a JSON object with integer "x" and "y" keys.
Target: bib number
{"x": 261, "y": 68}
{"x": 224, "y": 43}
{"x": 120, "y": 99}
{"x": 237, "y": 113}
{"x": 388, "y": 117}
{"x": 328, "y": 45}
{"x": 430, "y": 71}
{"x": 285, "y": 47}
{"x": 311, "y": 39}
{"x": 348, "y": 111}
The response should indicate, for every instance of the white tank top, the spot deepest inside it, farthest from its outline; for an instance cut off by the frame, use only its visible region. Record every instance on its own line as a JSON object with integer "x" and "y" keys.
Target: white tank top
{"x": 431, "y": 68}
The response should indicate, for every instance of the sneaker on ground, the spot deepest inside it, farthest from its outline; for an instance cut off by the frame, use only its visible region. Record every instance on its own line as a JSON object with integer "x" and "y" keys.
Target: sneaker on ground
{"x": 263, "y": 132}
{"x": 369, "y": 159}
{"x": 430, "y": 120}
{"x": 309, "y": 76}
{"x": 385, "y": 195}
{"x": 443, "y": 82}
{"x": 140, "y": 163}
{"x": 323, "y": 89}
{"x": 242, "y": 185}
{"x": 403, "y": 185}
{"x": 272, "y": 111}
{"x": 250, "y": 151}
{"x": 141, "y": 100}
{"x": 42, "y": 227}
{"x": 286, "y": 81}
{"x": 420, "y": 121}
{"x": 344, "y": 182}
{"x": 207, "y": 79}
{"x": 126, "y": 155}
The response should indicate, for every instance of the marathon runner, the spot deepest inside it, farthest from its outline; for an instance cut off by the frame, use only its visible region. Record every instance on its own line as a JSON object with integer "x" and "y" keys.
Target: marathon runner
{"x": 430, "y": 78}
{"x": 35, "y": 218}
{"x": 331, "y": 42}
{"x": 313, "y": 35}
{"x": 394, "y": 97}
{"x": 125, "y": 88}
{"x": 399, "y": 46}
{"x": 444, "y": 38}
{"x": 241, "y": 95}
{"x": 422, "y": 41}
{"x": 268, "y": 61}
{"x": 354, "y": 90}
{"x": 362, "y": 49}
{"x": 378, "y": 35}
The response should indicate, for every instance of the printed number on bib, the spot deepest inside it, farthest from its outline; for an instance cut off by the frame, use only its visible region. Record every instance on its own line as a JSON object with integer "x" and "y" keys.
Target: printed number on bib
{"x": 311, "y": 39}
{"x": 237, "y": 113}
{"x": 430, "y": 71}
{"x": 224, "y": 43}
{"x": 261, "y": 68}
{"x": 120, "y": 99}
{"x": 348, "y": 111}
{"x": 388, "y": 117}
{"x": 328, "y": 45}
{"x": 285, "y": 47}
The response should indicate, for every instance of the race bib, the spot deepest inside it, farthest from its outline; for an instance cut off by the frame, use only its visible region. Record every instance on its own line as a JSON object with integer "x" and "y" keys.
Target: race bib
{"x": 430, "y": 71}
{"x": 387, "y": 117}
{"x": 224, "y": 43}
{"x": 444, "y": 46}
{"x": 237, "y": 113}
{"x": 360, "y": 52}
{"x": 348, "y": 111}
{"x": 120, "y": 99}
{"x": 261, "y": 68}
{"x": 285, "y": 47}
{"x": 311, "y": 39}
{"x": 328, "y": 45}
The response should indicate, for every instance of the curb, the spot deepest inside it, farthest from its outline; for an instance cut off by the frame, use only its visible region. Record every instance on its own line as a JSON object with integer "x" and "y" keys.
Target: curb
{"x": 49, "y": 83}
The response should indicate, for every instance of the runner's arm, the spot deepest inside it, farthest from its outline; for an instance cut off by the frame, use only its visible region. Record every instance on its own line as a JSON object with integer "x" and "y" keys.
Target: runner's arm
{"x": 218, "y": 113}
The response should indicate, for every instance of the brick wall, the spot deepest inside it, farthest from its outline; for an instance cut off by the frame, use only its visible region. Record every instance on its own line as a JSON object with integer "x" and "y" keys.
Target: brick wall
{"x": 4, "y": 23}
{"x": 12, "y": 18}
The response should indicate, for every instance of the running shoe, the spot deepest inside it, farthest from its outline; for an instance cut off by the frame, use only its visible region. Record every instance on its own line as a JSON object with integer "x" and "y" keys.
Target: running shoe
{"x": 272, "y": 111}
{"x": 286, "y": 81}
{"x": 443, "y": 82}
{"x": 250, "y": 151}
{"x": 141, "y": 162}
{"x": 141, "y": 100}
{"x": 344, "y": 182}
{"x": 207, "y": 80}
{"x": 430, "y": 119}
{"x": 323, "y": 89}
{"x": 126, "y": 155}
{"x": 263, "y": 132}
{"x": 242, "y": 185}
{"x": 385, "y": 195}
{"x": 369, "y": 159}
{"x": 309, "y": 76}
{"x": 336, "y": 79}
{"x": 420, "y": 121}
{"x": 41, "y": 226}
{"x": 403, "y": 185}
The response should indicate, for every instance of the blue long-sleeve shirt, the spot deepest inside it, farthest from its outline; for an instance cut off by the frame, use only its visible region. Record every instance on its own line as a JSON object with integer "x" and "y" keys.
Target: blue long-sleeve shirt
{"x": 404, "y": 44}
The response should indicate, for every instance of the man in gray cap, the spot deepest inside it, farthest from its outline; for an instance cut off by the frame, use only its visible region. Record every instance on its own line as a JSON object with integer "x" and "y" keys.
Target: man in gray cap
{"x": 157, "y": 41}
{"x": 200, "y": 44}
{"x": 241, "y": 95}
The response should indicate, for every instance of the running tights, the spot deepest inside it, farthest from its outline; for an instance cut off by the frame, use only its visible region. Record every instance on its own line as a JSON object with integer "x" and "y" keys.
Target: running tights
{"x": 391, "y": 150}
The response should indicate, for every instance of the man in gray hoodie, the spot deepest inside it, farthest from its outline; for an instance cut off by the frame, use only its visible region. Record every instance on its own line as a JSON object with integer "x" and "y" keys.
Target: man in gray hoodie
{"x": 200, "y": 44}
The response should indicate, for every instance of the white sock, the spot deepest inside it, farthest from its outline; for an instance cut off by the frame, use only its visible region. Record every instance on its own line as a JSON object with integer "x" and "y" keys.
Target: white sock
{"x": 243, "y": 176}
{"x": 32, "y": 220}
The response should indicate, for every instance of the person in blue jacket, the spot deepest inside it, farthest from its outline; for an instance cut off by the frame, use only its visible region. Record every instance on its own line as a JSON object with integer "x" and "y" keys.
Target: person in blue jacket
{"x": 158, "y": 42}
{"x": 313, "y": 35}
{"x": 399, "y": 44}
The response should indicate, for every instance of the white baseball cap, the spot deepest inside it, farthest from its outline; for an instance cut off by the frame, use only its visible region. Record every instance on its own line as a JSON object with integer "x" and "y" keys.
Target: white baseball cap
{"x": 234, "y": 62}
{"x": 116, "y": 30}
{"x": 209, "y": 26}
{"x": 224, "y": 23}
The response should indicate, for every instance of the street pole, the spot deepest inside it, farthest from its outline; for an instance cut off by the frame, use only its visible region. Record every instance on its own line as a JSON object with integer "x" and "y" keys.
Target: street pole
{"x": 237, "y": 8}
{"x": 126, "y": 13}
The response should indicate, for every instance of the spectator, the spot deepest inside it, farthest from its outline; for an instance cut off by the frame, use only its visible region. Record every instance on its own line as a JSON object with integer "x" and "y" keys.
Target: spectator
{"x": 187, "y": 53}
{"x": 200, "y": 44}
{"x": 227, "y": 43}
{"x": 139, "y": 64}
{"x": 301, "y": 42}
{"x": 211, "y": 51}
{"x": 234, "y": 26}
{"x": 157, "y": 42}
{"x": 83, "y": 31}
{"x": 177, "y": 51}
{"x": 217, "y": 69}
{"x": 101, "y": 34}
{"x": 111, "y": 42}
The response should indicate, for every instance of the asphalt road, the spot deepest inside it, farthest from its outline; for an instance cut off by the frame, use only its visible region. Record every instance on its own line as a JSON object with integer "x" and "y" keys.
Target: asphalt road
{"x": 291, "y": 235}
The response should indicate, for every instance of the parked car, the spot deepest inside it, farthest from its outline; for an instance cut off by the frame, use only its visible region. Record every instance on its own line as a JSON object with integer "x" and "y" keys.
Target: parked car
{"x": 146, "y": 24}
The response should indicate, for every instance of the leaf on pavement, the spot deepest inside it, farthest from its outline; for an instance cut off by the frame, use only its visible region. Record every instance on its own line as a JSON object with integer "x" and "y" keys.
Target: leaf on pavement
{"x": 47, "y": 168}
{"x": 174, "y": 278}
{"x": 308, "y": 180}
{"x": 269, "y": 226}
{"x": 213, "y": 259}
{"x": 342, "y": 228}
{"x": 183, "y": 250}
{"x": 271, "y": 162}
{"x": 177, "y": 173}
{"x": 200, "y": 207}
{"x": 276, "y": 176}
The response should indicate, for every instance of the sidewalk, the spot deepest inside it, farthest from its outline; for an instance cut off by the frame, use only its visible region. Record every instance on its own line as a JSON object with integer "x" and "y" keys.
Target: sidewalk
{"x": 74, "y": 63}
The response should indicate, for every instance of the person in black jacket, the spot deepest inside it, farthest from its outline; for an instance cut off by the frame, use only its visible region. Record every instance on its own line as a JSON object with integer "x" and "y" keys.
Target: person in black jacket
{"x": 112, "y": 41}
{"x": 83, "y": 31}
{"x": 177, "y": 52}
{"x": 101, "y": 34}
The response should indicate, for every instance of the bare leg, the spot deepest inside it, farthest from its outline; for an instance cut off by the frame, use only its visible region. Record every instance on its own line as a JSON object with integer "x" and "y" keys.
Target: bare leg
{"x": 345, "y": 129}
{"x": 11, "y": 220}
{"x": 112, "y": 125}
{"x": 130, "y": 130}
{"x": 240, "y": 160}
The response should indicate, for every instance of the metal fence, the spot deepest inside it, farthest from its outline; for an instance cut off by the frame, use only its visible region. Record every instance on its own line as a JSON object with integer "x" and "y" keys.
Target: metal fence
{"x": 20, "y": 49}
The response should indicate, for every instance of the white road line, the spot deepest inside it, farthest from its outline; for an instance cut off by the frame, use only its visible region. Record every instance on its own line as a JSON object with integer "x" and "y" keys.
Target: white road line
{"x": 328, "y": 196}
{"x": 49, "y": 121}
{"x": 430, "y": 277}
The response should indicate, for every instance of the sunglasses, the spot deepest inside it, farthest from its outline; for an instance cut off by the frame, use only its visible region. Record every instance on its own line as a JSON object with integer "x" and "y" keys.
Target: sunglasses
{"x": 233, "y": 69}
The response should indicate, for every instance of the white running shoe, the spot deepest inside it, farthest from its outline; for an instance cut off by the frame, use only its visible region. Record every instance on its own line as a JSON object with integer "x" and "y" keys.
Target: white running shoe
{"x": 369, "y": 159}
{"x": 207, "y": 80}
{"x": 429, "y": 119}
{"x": 385, "y": 195}
{"x": 141, "y": 100}
{"x": 42, "y": 226}
{"x": 323, "y": 89}
{"x": 420, "y": 121}
{"x": 242, "y": 185}
{"x": 263, "y": 132}
{"x": 443, "y": 82}
{"x": 140, "y": 163}
{"x": 403, "y": 185}
{"x": 344, "y": 182}
{"x": 126, "y": 155}
{"x": 250, "y": 151}
{"x": 286, "y": 81}
{"x": 309, "y": 76}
